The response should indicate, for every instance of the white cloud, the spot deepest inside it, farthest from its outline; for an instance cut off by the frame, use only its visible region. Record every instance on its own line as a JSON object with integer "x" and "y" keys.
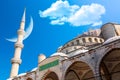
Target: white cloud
{"x": 59, "y": 21}
{"x": 62, "y": 12}
{"x": 97, "y": 23}
{"x": 87, "y": 14}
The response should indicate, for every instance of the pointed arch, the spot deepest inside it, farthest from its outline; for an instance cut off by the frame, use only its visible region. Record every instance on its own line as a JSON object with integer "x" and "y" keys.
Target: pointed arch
{"x": 107, "y": 64}
{"x": 29, "y": 79}
{"x": 50, "y": 76}
{"x": 77, "y": 69}
{"x": 88, "y": 75}
{"x": 116, "y": 72}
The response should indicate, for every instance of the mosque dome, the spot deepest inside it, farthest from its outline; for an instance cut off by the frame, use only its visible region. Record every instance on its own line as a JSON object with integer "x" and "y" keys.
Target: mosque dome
{"x": 60, "y": 54}
{"x": 111, "y": 39}
{"x": 81, "y": 42}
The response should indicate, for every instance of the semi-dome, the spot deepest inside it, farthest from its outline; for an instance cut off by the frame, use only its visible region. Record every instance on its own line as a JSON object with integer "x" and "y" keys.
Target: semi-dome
{"x": 77, "y": 52}
{"x": 59, "y": 54}
{"x": 111, "y": 39}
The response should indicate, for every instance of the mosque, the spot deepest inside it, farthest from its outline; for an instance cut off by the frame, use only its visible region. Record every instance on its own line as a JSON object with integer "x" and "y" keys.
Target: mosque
{"x": 94, "y": 55}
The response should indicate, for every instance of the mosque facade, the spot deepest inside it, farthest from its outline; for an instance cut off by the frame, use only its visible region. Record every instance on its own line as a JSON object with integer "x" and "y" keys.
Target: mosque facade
{"x": 93, "y": 55}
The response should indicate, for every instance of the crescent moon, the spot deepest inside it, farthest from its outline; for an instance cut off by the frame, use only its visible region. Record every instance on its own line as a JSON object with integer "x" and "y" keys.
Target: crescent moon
{"x": 28, "y": 31}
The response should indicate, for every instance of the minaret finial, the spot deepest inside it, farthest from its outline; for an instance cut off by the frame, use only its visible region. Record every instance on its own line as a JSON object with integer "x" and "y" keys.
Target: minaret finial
{"x": 23, "y": 17}
{"x": 23, "y": 20}
{"x": 16, "y": 60}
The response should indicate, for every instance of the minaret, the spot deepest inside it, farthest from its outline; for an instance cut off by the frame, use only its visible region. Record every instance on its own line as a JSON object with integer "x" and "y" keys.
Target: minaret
{"x": 16, "y": 60}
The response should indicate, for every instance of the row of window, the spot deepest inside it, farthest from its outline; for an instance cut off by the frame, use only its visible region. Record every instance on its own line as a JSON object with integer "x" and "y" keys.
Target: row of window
{"x": 84, "y": 40}
{"x": 74, "y": 48}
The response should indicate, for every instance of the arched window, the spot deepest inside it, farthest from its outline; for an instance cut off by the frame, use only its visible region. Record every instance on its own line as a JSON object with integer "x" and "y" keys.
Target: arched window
{"x": 66, "y": 51}
{"x": 101, "y": 40}
{"x": 90, "y": 39}
{"x": 83, "y": 39}
{"x": 67, "y": 45}
{"x": 72, "y": 43}
{"x": 77, "y": 42}
{"x": 51, "y": 76}
{"x": 29, "y": 79}
{"x": 96, "y": 40}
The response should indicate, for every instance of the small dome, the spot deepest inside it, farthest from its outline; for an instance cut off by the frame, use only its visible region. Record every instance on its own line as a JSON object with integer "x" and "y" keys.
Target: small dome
{"x": 60, "y": 54}
{"x": 41, "y": 57}
{"x": 111, "y": 39}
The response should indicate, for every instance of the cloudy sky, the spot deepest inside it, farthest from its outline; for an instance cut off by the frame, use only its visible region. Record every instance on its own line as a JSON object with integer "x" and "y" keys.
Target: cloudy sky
{"x": 54, "y": 23}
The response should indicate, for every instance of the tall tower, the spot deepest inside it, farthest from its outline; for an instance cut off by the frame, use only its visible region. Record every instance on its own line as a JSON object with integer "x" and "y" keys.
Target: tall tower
{"x": 16, "y": 60}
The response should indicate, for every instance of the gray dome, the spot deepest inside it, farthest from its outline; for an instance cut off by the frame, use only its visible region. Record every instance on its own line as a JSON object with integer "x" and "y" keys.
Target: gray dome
{"x": 111, "y": 39}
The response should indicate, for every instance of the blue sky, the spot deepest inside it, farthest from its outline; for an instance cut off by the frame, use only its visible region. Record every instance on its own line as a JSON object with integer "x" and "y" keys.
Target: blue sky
{"x": 55, "y": 23}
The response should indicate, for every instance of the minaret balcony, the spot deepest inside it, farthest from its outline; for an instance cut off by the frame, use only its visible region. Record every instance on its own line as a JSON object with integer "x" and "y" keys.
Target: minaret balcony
{"x": 16, "y": 60}
{"x": 18, "y": 44}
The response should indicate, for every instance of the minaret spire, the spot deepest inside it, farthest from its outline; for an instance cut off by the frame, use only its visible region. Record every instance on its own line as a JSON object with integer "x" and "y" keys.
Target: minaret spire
{"x": 16, "y": 60}
{"x": 23, "y": 19}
